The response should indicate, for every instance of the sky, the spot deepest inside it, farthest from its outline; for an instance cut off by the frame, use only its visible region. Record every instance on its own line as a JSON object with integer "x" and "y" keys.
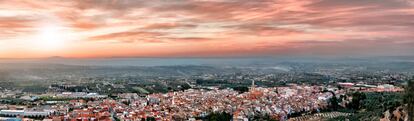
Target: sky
{"x": 205, "y": 28}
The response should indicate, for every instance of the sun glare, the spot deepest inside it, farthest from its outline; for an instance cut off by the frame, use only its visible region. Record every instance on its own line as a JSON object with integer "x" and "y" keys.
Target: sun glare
{"x": 50, "y": 38}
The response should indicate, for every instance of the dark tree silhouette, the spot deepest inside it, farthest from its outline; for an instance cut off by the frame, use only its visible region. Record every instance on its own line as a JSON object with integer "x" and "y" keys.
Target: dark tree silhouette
{"x": 150, "y": 119}
{"x": 241, "y": 89}
{"x": 409, "y": 99}
{"x": 333, "y": 101}
{"x": 356, "y": 101}
{"x": 223, "y": 116}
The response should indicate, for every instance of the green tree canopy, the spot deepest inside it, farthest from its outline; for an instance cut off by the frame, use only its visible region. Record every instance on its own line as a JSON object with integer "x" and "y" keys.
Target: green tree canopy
{"x": 409, "y": 99}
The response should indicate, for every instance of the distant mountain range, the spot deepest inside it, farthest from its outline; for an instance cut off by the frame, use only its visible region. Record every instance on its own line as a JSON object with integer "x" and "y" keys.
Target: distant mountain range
{"x": 236, "y": 61}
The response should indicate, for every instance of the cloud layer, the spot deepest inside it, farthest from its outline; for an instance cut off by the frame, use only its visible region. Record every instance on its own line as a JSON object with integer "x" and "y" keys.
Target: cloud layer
{"x": 107, "y": 28}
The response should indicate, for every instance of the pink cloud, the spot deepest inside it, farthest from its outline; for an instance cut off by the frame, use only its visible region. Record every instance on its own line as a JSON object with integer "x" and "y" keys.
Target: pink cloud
{"x": 242, "y": 26}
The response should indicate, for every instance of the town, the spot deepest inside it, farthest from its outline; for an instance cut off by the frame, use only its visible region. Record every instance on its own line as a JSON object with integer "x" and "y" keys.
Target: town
{"x": 278, "y": 96}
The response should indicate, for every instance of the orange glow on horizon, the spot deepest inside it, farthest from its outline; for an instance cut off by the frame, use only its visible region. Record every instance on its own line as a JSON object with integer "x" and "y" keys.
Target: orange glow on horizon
{"x": 156, "y": 28}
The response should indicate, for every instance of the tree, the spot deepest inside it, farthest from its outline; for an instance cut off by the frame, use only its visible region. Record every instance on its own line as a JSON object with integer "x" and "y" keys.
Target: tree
{"x": 151, "y": 119}
{"x": 409, "y": 99}
{"x": 333, "y": 102}
{"x": 223, "y": 116}
{"x": 185, "y": 87}
{"x": 356, "y": 101}
{"x": 241, "y": 89}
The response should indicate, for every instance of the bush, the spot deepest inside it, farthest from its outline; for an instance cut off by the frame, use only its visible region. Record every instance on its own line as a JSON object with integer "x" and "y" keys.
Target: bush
{"x": 223, "y": 116}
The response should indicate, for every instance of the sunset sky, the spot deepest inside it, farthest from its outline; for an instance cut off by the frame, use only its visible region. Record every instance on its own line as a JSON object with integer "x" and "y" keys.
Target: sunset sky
{"x": 205, "y": 28}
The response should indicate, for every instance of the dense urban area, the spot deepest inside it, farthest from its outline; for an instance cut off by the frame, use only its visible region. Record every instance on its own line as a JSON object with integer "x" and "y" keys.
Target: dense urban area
{"x": 233, "y": 90}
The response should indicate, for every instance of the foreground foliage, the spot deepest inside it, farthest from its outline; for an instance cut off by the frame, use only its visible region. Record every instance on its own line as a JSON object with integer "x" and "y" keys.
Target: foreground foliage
{"x": 409, "y": 99}
{"x": 371, "y": 105}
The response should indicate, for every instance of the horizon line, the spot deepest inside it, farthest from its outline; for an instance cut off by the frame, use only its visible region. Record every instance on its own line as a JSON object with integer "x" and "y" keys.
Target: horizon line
{"x": 199, "y": 57}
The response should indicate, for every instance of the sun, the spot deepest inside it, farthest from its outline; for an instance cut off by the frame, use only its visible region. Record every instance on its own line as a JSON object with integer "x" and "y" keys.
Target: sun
{"x": 50, "y": 37}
